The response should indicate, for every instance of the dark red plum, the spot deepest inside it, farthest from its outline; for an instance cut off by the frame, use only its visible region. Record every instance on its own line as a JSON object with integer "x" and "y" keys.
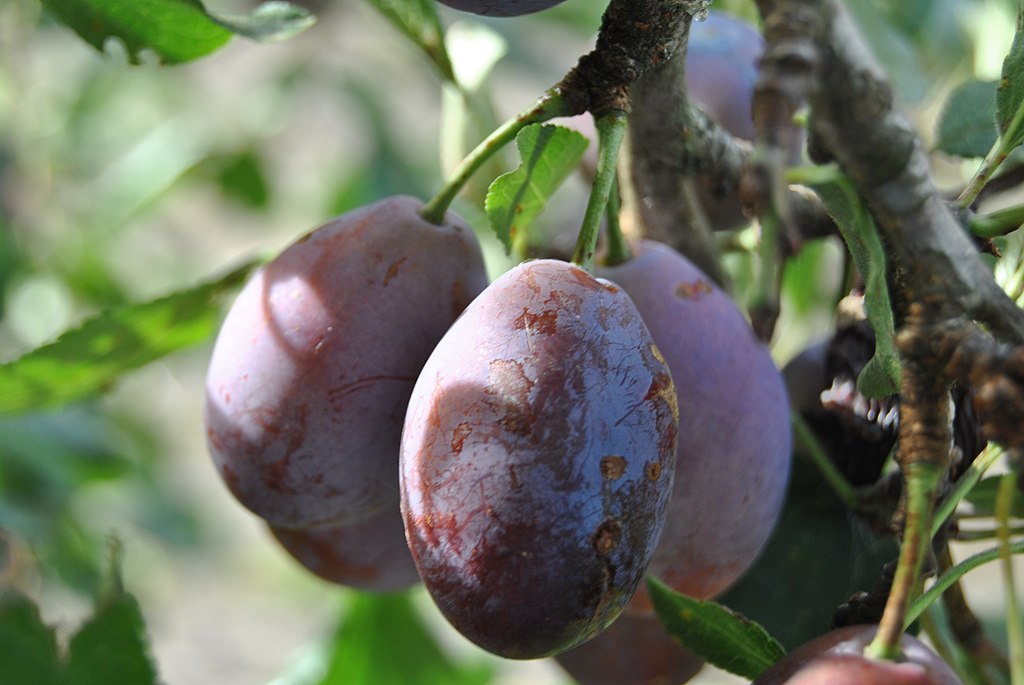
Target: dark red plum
{"x": 635, "y": 650}
{"x": 501, "y": 8}
{"x": 537, "y": 460}
{"x": 370, "y": 554}
{"x": 733, "y": 462}
{"x": 314, "y": 364}
{"x": 837, "y": 658}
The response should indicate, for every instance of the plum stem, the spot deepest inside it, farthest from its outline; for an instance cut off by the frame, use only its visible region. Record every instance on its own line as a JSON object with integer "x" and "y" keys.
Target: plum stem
{"x": 1014, "y": 627}
{"x": 611, "y": 128}
{"x": 921, "y": 479}
{"x": 548, "y": 106}
{"x": 618, "y": 248}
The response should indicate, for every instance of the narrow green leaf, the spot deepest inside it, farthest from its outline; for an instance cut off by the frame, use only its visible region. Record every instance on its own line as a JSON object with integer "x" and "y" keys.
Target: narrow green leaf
{"x": 271, "y": 21}
{"x": 418, "y": 20}
{"x": 86, "y": 360}
{"x": 967, "y": 125}
{"x": 983, "y": 498}
{"x": 514, "y": 200}
{"x": 1010, "y": 95}
{"x": 716, "y": 634}
{"x": 880, "y": 377}
{"x": 28, "y": 647}
{"x": 111, "y": 647}
{"x": 384, "y": 641}
{"x": 175, "y": 30}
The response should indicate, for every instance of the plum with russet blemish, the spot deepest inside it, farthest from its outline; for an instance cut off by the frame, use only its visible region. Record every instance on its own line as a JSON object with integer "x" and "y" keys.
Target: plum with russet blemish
{"x": 312, "y": 369}
{"x": 733, "y": 460}
{"x": 537, "y": 460}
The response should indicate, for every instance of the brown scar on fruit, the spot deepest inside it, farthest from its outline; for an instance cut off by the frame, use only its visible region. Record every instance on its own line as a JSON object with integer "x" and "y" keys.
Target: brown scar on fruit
{"x": 613, "y": 467}
{"x": 393, "y": 270}
{"x": 693, "y": 290}
{"x": 652, "y": 470}
{"x": 607, "y": 536}
{"x": 546, "y": 322}
{"x": 459, "y": 435}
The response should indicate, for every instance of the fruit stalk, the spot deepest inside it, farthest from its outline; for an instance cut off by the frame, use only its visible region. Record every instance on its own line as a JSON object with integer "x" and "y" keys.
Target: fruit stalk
{"x": 548, "y": 106}
{"x": 611, "y": 128}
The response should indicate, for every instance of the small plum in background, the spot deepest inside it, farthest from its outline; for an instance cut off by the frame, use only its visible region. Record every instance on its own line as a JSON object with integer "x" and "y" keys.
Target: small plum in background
{"x": 370, "y": 554}
{"x": 837, "y": 658}
{"x": 733, "y": 460}
{"x": 721, "y": 68}
{"x": 635, "y": 650}
{"x": 501, "y": 8}
{"x": 537, "y": 460}
{"x": 312, "y": 369}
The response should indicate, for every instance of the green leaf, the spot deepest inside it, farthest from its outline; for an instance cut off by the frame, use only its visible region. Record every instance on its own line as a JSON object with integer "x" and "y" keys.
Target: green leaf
{"x": 384, "y": 641}
{"x": 111, "y": 647}
{"x": 1010, "y": 95}
{"x": 967, "y": 125}
{"x": 880, "y": 377}
{"x": 86, "y": 360}
{"x": 983, "y": 498}
{"x": 716, "y": 634}
{"x": 28, "y": 647}
{"x": 176, "y": 30}
{"x": 271, "y": 21}
{"x": 514, "y": 200}
{"x": 418, "y": 20}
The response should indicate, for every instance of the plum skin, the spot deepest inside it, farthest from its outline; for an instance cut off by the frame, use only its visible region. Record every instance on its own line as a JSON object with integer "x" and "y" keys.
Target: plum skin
{"x": 635, "y": 650}
{"x": 313, "y": 366}
{"x": 536, "y": 461}
{"x": 837, "y": 658}
{"x": 501, "y": 8}
{"x": 370, "y": 554}
{"x": 734, "y": 454}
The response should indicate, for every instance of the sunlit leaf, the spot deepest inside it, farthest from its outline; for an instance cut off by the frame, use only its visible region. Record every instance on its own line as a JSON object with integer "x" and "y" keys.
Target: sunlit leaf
{"x": 716, "y": 634}
{"x": 967, "y": 125}
{"x": 174, "y": 30}
{"x": 87, "y": 360}
{"x": 549, "y": 154}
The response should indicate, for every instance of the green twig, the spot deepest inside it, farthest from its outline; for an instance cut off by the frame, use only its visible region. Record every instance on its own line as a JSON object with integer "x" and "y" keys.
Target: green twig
{"x": 611, "y": 128}
{"x": 1014, "y": 628}
{"x": 946, "y": 580}
{"x": 995, "y": 224}
{"x": 618, "y": 248}
{"x": 549, "y": 106}
{"x": 921, "y": 479}
{"x": 967, "y": 481}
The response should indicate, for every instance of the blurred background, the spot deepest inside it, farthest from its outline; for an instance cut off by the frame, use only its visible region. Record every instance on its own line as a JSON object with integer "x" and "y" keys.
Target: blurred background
{"x": 120, "y": 183}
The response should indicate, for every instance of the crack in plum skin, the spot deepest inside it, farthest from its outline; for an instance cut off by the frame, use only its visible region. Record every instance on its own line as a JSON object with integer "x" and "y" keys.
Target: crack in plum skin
{"x": 314, "y": 364}
{"x": 526, "y": 459}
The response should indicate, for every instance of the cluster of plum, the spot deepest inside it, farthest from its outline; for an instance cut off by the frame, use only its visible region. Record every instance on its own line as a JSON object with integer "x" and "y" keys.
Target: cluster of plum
{"x": 529, "y": 449}
{"x": 529, "y": 427}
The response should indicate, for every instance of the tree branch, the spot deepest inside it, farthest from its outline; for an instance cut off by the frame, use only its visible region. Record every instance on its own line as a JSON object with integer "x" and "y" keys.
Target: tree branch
{"x": 815, "y": 54}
